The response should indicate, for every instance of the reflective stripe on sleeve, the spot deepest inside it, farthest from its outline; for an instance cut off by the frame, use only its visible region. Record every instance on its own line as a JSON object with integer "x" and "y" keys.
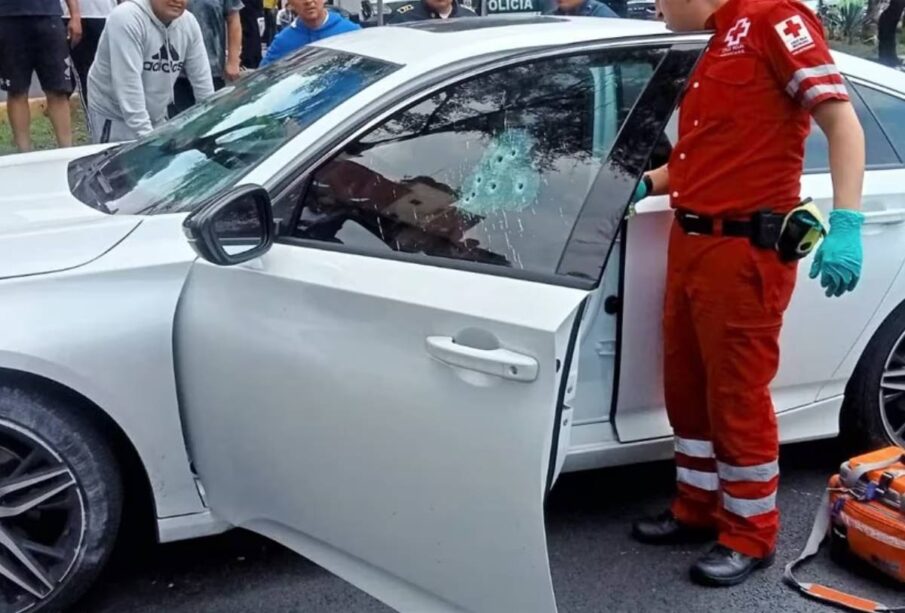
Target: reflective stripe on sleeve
{"x": 694, "y": 448}
{"x": 698, "y": 478}
{"x": 759, "y": 473}
{"x": 749, "y": 507}
{"x": 799, "y": 76}
{"x": 815, "y": 91}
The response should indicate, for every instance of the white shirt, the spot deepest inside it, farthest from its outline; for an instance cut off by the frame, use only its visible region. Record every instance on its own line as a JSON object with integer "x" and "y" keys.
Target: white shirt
{"x": 91, "y": 9}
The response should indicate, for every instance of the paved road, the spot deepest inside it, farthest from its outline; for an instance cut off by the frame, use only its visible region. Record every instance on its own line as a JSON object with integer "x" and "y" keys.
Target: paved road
{"x": 596, "y": 567}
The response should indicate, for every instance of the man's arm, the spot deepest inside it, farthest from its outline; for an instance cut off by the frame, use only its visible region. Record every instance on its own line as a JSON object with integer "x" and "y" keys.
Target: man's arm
{"x": 845, "y": 136}
{"x": 233, "y": 41}
{"x": 75, "y": 22}
{"x": 659, "y": 178}
{"x": 197, "y": 64}
{"x": 126, "y": 66}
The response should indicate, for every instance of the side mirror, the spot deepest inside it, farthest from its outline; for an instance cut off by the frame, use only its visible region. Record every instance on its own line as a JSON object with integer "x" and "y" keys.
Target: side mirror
{"x": 234, "y": 228}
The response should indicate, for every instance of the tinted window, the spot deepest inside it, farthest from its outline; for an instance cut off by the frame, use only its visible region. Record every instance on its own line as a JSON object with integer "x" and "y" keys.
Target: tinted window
{"x": 494, "y": 169}
{"x": 879, "y": 152}
{"x": 212, "y": 145}
{"x": 891, "y": 113}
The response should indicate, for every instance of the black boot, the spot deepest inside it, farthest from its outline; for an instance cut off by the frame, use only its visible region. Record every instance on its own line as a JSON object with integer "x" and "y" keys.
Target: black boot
{"x": 665, "y": 529}
{"x": 723, "y": 567}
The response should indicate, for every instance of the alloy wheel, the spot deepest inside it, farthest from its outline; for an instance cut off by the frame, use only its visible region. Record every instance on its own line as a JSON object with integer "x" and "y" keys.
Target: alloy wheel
{"x": 42, "y": 519}
{"x": 892, "y": 393}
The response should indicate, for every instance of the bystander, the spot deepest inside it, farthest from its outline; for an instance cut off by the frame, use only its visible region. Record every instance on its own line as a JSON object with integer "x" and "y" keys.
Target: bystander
{"x": 221, "y": 30}
{"x": 94, "y": 16}
{"x": 314, "y": 23}
{"x": 34, "y": 39}
{"x": 144, "y": 47}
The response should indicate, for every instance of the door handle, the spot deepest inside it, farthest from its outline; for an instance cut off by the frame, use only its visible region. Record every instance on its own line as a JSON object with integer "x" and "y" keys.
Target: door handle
{"x": 497, "y": 362}
{"x": 888, "y": 217}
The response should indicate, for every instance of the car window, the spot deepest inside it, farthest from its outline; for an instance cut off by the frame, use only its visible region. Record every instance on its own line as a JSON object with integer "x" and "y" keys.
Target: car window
{"x": 879, "y": 151}
{"x": 890, "y": 111}
{"x": 493, "y": 169}
{"x": 208, "y": 148}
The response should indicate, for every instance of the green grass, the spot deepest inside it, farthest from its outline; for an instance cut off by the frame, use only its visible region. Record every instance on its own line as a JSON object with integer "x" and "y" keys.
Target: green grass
{"x": 42, "y": 132}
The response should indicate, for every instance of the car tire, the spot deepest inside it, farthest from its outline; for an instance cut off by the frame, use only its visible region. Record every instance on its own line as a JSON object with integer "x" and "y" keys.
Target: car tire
{"x": 873, "y": 414}
{"x": 61, "y": 543}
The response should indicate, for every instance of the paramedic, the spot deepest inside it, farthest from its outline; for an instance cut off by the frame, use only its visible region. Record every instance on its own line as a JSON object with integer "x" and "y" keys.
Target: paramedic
{"x": 742, "y": 127}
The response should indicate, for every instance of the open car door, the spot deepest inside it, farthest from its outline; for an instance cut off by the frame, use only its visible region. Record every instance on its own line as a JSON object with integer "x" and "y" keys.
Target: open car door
{"x": 383, "y": 390}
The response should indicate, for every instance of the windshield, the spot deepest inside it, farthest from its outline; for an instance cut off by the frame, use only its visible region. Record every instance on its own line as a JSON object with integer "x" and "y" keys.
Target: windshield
{"x": 212, "y": 145}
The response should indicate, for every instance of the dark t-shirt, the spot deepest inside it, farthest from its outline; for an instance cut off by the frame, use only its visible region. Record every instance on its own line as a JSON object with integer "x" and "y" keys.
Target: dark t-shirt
{"x": 25, "y": 8}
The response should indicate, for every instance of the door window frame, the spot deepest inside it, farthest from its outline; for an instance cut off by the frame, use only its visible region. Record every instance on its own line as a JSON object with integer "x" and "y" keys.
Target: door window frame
{"x": 573, "y": 270}
{"x": 851, "y": 81}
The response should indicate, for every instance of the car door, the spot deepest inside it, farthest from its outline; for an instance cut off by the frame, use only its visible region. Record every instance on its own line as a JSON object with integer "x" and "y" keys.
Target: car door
{"x": 381, "y": 392}
{"x": 810, "y": 356}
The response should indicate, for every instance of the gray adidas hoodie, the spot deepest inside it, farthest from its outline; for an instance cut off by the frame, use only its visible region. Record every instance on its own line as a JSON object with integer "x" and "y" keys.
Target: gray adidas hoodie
{"x": 138, "y": 60}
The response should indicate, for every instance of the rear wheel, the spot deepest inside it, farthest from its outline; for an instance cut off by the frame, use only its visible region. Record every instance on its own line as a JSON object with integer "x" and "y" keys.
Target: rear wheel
{"x": 874, "y": 414}
{"x": 60, "y": 502}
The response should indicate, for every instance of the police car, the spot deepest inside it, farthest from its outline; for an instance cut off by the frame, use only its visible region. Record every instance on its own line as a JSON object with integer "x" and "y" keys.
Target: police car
{"x": 372, "y": 300}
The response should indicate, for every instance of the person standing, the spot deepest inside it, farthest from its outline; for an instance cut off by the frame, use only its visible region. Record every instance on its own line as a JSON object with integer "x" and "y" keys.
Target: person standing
{"x": 251, "y": 33}
{"x": 314, "y": 22}
{"x": 94, "y": 16}
{"x": 429, "y": 9}
{"x": 221, "y": 30}
{"x": 887, "y": 33}
{"x": 34, "y": 39}
{"x": 582, "y": 8}
{"x": 270, "y": 20}
{"x": 144, "y": 47}
{"x": 732, "y": 177}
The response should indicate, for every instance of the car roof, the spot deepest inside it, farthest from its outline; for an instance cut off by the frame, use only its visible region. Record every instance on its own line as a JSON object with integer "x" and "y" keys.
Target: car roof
{"x": 428, "y": 45}
{"x": 431, "y": 44}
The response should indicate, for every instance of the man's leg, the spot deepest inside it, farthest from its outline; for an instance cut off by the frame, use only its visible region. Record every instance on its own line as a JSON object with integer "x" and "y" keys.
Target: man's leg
{"x": 887, "y": 25}
{"x": 20, "y": 120}
{"x": 59, "y": 113}
{"x": 684, "y": 381}
{"x": 685, "y": 389}
{"x": 17, "y": 68}
{"x": 51, "y": 49}
{"x": 84, "y": 53}
{"x": 742, "y": 293}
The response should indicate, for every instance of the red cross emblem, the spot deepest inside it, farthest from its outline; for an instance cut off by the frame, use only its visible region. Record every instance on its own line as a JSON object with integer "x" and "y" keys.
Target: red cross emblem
{"x": 739, "y": 31}
{"x": 792, "y": 28}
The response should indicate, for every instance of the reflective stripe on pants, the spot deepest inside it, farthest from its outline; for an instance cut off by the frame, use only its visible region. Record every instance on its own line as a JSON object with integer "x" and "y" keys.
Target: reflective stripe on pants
{"x": 722, "y": 317}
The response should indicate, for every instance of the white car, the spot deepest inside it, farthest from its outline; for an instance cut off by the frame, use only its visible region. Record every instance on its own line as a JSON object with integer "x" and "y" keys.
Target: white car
{"x": 419, "y": 300}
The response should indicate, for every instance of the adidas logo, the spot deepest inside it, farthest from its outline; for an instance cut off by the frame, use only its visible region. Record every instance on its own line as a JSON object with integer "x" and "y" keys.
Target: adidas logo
{"x": 166, "y": 60}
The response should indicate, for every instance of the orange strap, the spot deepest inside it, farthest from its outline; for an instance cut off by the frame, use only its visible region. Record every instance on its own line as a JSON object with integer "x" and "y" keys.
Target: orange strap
{"x": 841, "y": 598}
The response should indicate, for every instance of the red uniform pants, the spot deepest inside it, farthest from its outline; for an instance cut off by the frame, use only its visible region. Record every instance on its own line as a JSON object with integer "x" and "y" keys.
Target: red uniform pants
{"x": 724, "y": 304}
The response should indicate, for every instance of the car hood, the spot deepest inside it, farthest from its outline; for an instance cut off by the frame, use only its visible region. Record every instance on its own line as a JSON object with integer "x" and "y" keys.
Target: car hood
{"x": 43, "y": 228}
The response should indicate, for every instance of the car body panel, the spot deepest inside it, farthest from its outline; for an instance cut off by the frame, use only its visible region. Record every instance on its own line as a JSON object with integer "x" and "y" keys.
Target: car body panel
{"x": 473, "y": 448}
{"x": 106, "y": 331}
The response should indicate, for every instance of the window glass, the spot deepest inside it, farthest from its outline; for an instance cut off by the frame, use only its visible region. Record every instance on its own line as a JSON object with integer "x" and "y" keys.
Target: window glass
{"x": 494, "y": 169}
{"x": 891, "y": 113}
{"x": 209, "y": 147}
{"x": 879, "y": 151}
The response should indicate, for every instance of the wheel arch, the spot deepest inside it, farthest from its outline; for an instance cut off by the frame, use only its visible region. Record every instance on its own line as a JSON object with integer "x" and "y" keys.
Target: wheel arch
{"x": 139, "y": 511}
{"x": 849, "y": 417}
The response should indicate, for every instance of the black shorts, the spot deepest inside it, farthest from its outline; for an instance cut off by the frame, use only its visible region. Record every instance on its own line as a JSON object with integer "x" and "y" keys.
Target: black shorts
{"x": 34, "y": 45}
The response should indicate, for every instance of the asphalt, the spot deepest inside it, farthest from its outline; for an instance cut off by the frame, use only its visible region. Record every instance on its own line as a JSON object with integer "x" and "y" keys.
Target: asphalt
{"x": 596, "y": 566}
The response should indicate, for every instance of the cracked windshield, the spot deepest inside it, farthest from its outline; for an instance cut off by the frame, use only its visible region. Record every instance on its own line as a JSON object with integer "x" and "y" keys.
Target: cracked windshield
{"x": 212, "y": 145}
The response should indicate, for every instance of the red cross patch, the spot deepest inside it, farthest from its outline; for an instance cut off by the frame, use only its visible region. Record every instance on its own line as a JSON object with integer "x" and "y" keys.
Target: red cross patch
{"x": 795, "y": 34}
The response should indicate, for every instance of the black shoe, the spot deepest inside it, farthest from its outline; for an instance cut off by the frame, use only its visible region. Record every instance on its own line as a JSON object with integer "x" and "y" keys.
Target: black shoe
{"x": 722, "y": 567}
{"x": 665, "y": 529}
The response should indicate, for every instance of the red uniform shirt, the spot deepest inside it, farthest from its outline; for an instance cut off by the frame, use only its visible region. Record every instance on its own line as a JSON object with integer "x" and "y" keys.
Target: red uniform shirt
{"x": 746, "y": 113}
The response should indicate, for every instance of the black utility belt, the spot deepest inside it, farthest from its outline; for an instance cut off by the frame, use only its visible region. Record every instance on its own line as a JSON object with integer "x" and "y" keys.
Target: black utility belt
{"x": 793, "y": 235}
{"x": 762, "y": 229}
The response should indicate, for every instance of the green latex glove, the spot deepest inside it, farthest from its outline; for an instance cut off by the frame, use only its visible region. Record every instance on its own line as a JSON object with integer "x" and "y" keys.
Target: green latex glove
{"x": 838, "y": 259}
{"x": 640, "y": 192}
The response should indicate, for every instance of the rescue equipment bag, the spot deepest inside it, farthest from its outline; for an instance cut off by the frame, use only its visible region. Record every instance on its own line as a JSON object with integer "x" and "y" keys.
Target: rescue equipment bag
{"x": 863, "y": 512}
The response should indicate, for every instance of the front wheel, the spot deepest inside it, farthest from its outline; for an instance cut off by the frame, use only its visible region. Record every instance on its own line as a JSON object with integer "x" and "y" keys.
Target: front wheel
{"x": 60, "y": 502}
{"x": 874, "y": 412}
